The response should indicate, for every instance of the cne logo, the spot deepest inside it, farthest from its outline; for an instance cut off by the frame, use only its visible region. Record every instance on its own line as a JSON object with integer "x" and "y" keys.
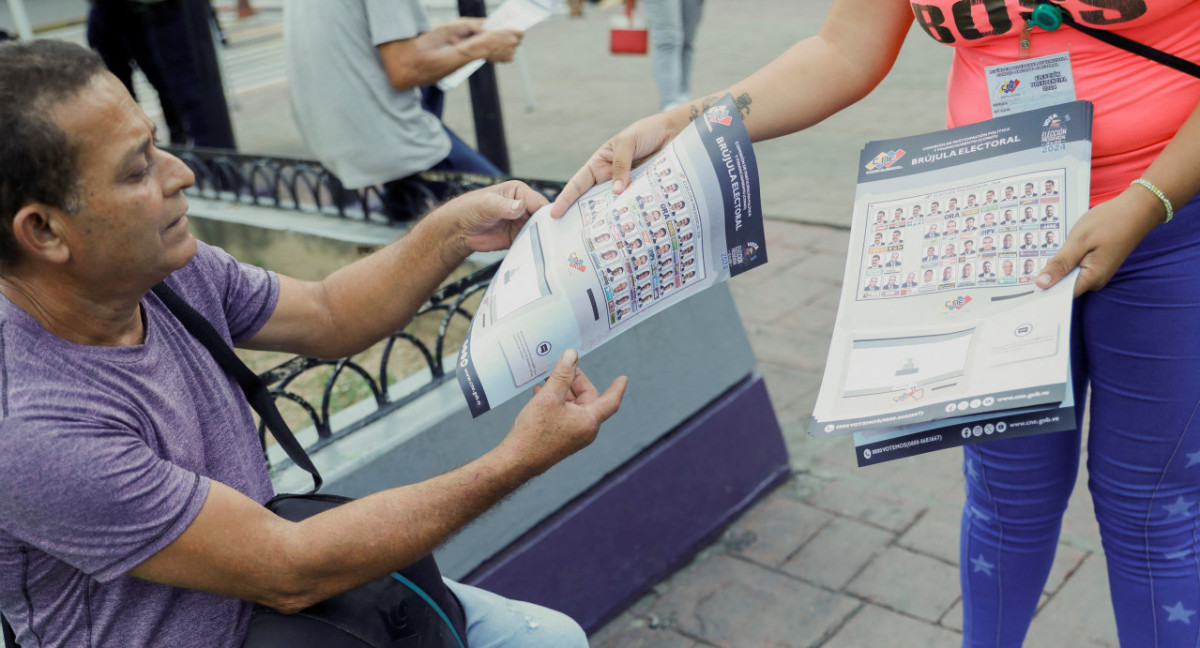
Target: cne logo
{"x": 1009, "y": 87}
{"x": 576, "y": 262}
{"x": 751, "y": 251}
{"x": 718, "y": 115}
{"x": 915, "y": 393}
{"x": 956, "y": 304}
{"x": 885, "y": 160}
{"x": 1054, "y": 121}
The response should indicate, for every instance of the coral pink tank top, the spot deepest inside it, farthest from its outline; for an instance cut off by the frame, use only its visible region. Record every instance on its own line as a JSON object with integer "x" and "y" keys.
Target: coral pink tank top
{"x": 1139, "y": 104}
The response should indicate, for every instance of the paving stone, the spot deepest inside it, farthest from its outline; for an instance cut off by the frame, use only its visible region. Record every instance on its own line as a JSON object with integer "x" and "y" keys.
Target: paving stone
{"x": 1080, "y": 528}
{"x": 833, "y": 241}
{"x": 795, "y": 348}
{"x": 838, "y": 552}
{"x": 827, "y": 268}
{"x": 764, "y": 299}
{"x": 908, "y": 582}
{"x": 935, "y": 534}
{"x": 1080, "y": 614}
{"x": 795, "y": 236}
{"x": 776, "y": 529}
{"x": 1066, "y": 560}
{"x": 731, "y": 602}
{"x": 629, "y": 631}
{"x": 799, "y": 411}
{"x": 888, "y": 509}
{"x": 786, "y": 384}
{"x": 780, "y": 258}
{"x": 825, "y": 456}
{"x": 932, "y": 477}
{"x": 816, "y": 315}
{"x": 953, "y": 618}
{"x": 876, "y": 627}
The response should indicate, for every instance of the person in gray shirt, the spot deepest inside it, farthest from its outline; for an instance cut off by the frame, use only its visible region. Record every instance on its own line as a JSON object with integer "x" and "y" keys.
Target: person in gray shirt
{"x": 360, "y": 81}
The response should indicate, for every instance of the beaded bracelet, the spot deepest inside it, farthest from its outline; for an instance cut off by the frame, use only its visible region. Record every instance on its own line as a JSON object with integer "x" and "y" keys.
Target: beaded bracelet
{"x": 1157, "y": 192}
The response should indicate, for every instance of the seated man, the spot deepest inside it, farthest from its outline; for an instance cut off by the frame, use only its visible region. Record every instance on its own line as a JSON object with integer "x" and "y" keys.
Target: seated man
{"x": 130, "y": 466}
{"x": 356, "y": 69}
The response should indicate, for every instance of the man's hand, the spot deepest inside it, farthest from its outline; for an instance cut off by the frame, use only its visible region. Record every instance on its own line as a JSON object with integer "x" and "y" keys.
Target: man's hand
{"x": 488, "y": 219}
{"x": 496, "y": 46}
{"x": 1102, "y": 239}
{"x": 562, "y": 418}
{"x": 454, "y": 31}
{"x": 614, "y": 160}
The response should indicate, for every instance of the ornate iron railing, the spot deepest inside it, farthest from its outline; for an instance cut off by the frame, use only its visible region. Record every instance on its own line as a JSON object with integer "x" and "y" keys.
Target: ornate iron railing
{"x": 304, "y": 185}
{"x": 447, "y": 304}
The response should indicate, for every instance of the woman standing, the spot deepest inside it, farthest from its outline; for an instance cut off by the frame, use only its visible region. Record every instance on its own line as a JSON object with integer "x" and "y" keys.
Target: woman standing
{"x": 1136, "y": 327}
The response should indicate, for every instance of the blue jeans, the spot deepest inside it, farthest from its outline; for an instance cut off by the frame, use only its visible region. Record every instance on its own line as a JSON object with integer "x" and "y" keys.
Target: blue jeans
{"x": 673, "y": 26}
{"x": 461, "y": 157}
{"x": 497, "y": 622}
{"x": 1137, "y": 342}
{"x": 409, "y": 197}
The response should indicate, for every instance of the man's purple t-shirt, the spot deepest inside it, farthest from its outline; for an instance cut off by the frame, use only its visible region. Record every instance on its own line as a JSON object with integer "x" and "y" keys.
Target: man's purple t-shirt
{"x": 106, "y": 454}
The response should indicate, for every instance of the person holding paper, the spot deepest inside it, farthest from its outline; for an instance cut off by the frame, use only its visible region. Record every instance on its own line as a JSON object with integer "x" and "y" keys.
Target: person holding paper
{"x": 1136, "y": 275}
{"x": 360, "y": 81}
{"x": 131, "y": 466}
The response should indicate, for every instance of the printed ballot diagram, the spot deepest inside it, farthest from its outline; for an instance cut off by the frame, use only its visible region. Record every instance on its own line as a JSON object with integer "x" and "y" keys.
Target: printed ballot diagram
{"x": 941, "y": 329}
{"x": 691, "y": 217}
{"x": 998, "y": 233}
{"x": 646, "y": 245}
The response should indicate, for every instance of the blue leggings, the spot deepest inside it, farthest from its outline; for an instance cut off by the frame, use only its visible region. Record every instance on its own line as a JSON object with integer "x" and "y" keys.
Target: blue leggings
{"x": 1138, "y": 343}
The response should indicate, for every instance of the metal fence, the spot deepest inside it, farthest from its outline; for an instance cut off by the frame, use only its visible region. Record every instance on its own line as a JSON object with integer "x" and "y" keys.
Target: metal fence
{"x": 306, "y": 186}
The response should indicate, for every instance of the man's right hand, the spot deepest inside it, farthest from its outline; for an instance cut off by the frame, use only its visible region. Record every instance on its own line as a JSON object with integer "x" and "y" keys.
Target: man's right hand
{"x": 496, "y": 45}
{"x": 563, "y": 417}
{"x": 619, "y": 155}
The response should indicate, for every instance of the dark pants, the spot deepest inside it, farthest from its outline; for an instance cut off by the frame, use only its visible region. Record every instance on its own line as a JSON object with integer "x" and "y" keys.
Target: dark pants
{"x": 155, "y": 38}
{"x": 409, "y": 197}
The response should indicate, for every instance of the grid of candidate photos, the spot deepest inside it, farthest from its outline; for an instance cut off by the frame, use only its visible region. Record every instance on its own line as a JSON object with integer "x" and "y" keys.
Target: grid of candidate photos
{"x": 646, "y": 241}
{"x": 997, "y": 233}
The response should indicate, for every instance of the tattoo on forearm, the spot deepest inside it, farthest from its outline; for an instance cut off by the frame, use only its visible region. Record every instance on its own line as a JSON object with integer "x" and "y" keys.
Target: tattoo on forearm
{"x": 743, "y": 102}
{"x": 705, "y": 104}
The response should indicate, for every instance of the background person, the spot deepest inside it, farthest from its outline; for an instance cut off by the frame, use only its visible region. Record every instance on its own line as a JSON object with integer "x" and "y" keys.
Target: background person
{"x": 673, "y": 25}
{"x": 147, "y": 34}
{"x": 360, "y": 82}
{"x": 1144, "y": 385}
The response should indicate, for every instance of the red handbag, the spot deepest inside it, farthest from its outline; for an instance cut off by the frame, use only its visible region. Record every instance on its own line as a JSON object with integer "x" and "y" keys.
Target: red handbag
{"x": 628, "y": 38}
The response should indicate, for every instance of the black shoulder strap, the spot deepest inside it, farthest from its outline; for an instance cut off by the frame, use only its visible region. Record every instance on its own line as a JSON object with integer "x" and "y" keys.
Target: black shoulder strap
{"x": 256, "y": 392}
{"x": 10, "y": 637}
{"x": 1141, "y": 49}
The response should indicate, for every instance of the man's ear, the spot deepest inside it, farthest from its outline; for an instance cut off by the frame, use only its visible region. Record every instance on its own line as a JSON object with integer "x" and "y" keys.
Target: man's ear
{"x": 38, "y": 230}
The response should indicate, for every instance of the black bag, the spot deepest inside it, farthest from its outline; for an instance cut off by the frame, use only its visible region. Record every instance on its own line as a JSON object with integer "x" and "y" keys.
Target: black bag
{"x": 411, "y": 608}
{"x": 395, "y": 611}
